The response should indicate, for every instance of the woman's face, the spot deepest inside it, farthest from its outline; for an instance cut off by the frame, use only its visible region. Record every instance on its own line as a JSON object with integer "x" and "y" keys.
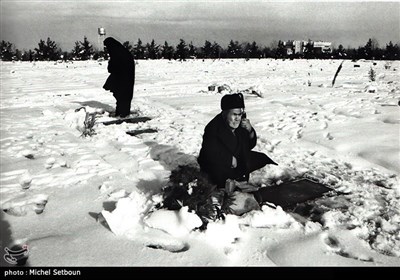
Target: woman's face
{"x": 234, "y": 117}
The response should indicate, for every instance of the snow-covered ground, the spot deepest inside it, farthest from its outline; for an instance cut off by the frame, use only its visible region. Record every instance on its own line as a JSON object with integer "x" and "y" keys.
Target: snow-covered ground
{"x": 55, "y": 183}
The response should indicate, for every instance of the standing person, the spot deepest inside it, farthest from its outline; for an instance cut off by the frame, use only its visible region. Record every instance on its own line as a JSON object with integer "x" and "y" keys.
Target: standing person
{"x": 121, "y": 80}
{"x": 226, "y": 153}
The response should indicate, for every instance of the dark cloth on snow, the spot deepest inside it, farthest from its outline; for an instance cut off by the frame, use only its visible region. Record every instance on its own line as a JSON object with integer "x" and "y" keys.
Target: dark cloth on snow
{"x": 121, "y": 80}
{"x": 218, "y": 147}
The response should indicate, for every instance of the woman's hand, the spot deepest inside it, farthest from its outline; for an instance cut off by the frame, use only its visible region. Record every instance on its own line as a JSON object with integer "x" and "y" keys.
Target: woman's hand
{"x": 246, "y": 124}
{"x": 230, "y": 185}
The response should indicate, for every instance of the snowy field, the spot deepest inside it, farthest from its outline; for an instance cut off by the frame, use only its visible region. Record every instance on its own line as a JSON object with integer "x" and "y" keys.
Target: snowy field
{"x": 55, "y": 183}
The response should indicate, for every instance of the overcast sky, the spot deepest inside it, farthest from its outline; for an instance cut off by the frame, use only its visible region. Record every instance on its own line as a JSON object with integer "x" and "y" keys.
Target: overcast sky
{"x": 350, "y": 23}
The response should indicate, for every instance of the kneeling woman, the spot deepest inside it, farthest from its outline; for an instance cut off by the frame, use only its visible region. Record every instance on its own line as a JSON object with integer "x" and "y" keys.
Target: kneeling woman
{"x": 228, "y": 140}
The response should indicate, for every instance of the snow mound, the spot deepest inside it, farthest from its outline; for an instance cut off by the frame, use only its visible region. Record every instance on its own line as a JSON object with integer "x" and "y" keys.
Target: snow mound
{"x": 127, "y": 217}
{"x": 176, "y": 223}
{"x": 223, "y": 232}
{"x": 270, "y": 218}
{"x": 75, "y": 119}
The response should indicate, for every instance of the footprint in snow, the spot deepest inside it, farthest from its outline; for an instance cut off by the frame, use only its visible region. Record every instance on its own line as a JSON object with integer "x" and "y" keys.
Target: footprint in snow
{"x": 232, "y": 250}
{"x": 328, "y": 136}
{"x": 311, "y": 153}
{"x": 21, "y": 208}
{"x": 29, "y": 154}
{"x": 171, "y": 246}
{"x": 297, "y": 135}
{"x": 25, "y": 181}
{"x": 324, "y": 125}
{"x": 334, "y": 246}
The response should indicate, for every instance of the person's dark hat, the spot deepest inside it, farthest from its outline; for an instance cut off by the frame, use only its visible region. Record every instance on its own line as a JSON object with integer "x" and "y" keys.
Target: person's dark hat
{"x": 232, "y": 101}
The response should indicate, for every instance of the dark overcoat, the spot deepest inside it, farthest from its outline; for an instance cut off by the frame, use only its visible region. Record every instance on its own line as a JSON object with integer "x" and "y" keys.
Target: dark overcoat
{"x": 121, "y": 67}
{"x": 218, "y": 147}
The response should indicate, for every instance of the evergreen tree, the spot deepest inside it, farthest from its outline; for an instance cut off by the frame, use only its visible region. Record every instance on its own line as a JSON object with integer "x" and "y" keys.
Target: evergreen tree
{"x": 371, "y": 49}
{"x": 234, "y": 50}
{"x": 281, "y": 50}
{"x": 361, "y": 53}
{"x": 351, "y": 53}
{"x": 340, "y": 52}
{"x": 396, "y": 52}
{"x": 167, "y": 51}
{"x": 389, "y": 51}
{"x": 66, "y": 56}
{"x": 139, "y": 50}
{"x": 267, "y": 52}
{"x": 6, "y": 51}
{"x": 87, "y": 49}
{"x": 128, "y": 46}
{"x": 368, "y": 49}
{"x": 182, "y": 50}
{"x": 246, "y": 49}
{"x": 309, "y": 50}
{"x": 392, "y": 52}
{"x": 254, "y": 51}
{"x": 216, "y": 50}
{"x": 76, "y": 51}
{"x": 27, "y": 56}
{"x": 152, "y": 50}
{"x": 273, "y": 46}
{"x": 47, "y": 50}
{"x": 192, "y": 51}
{"x": 207, "y": 50}
{"x": 17, "y": 55}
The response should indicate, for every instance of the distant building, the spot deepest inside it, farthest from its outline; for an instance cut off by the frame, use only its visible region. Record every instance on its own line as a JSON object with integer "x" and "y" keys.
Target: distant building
{"x": 297, "y": 47}
{"x": 289, "y": 46}
{"x": 322, "y": 47}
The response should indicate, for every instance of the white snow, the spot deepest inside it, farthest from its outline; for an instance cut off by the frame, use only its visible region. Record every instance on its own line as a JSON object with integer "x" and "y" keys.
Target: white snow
{"x": 90, "y": 201}
{"x": 180, "y": 222}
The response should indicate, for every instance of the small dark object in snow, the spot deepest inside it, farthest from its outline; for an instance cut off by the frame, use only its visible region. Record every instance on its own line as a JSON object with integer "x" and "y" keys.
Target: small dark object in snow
{"x": 128, "y": 120}
{"x": 222, "y": 88}
{"x": 30, "y": 156}
{"x": 256, "y": 93}
{"x": 356, "y": 65}
{"x": 337, "y": 72}
{"x": 140, "y": 131}
{"x": 170, "y": 248}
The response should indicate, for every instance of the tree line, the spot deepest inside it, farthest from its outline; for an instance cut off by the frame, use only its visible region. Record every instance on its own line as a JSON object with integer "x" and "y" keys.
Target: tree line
{"x": 49, "y": 50}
